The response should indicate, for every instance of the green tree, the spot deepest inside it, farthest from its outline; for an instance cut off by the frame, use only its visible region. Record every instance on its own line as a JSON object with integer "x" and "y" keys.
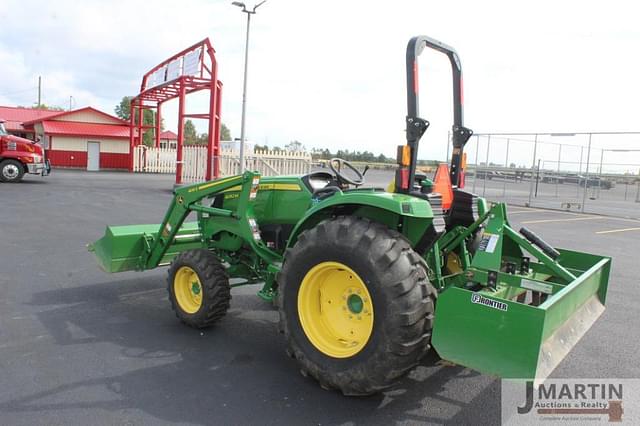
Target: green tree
{"x": 43, "y": 106}
{"x": 203, "y": 138}
{"x": 123, "y": 111}
{"x": 190, "y": 134}
{"x": 294, "y": 146}
{"x": 362, "y": 156}
{"x": 225, "y": 134}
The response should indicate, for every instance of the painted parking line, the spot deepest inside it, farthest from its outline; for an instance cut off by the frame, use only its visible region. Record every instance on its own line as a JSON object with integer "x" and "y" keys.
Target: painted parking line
{"x": 625, "y": 219}
{"x": 617, "y": 230}
{"x": 526, "y": 211}
{"x": 573, "y": 219}
{"x": 564, "y": 212}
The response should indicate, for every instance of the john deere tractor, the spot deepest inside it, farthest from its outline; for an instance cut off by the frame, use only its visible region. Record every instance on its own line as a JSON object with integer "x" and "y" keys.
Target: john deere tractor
{"x": 367, "y": 280}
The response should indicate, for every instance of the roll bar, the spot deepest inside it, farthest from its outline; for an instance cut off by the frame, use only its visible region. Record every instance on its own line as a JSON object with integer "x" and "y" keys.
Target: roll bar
{"x": 416, "y": 126}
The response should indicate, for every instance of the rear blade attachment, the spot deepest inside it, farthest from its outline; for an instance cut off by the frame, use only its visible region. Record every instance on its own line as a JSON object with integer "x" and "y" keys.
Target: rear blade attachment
{"x": 517, "y": 308}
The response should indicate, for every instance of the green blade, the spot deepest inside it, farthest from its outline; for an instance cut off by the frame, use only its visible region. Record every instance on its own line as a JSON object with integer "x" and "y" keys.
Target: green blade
{"x": 514, "y": 340}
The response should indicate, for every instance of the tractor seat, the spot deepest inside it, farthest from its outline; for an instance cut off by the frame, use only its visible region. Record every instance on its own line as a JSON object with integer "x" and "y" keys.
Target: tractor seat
{"x": 318, "y": 180}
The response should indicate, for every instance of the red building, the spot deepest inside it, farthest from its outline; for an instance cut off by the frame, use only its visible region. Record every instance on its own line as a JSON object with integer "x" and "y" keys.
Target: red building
{"x": 14, "y": 117}
{"x": 84, "y": 138}
{"x": 168, "y": 139}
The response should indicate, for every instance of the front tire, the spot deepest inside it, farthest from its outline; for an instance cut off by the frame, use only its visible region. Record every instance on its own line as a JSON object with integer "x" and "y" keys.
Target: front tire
{"x": 198, "y": 287}
{"x": 11, "y": 171}
{"x": 355, "y": 304}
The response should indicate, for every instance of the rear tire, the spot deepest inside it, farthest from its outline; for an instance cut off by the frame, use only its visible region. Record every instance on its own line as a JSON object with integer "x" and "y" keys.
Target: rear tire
{"x": 11, "y": 171}
{"x": 402, "y": 302}
{"x": 198, "y": 287}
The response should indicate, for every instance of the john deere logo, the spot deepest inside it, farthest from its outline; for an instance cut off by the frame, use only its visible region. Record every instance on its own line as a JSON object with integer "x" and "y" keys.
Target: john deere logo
{"x": 481, "y": 300}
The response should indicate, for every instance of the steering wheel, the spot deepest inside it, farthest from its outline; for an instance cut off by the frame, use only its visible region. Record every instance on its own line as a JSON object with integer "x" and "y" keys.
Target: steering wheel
{"x": 357, "y": 181}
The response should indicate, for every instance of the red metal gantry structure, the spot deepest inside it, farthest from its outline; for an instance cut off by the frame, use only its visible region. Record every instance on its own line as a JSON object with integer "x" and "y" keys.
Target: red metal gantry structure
{"x": 192, "y": 70}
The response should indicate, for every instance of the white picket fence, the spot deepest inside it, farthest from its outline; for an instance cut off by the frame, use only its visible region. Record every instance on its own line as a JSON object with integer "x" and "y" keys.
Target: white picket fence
{"x": 194, "y": 162}
{"x": 267, "y": 163}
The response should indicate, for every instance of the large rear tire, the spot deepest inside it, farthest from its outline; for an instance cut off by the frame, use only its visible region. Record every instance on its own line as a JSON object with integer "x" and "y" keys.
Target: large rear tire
{"x": 355, "y": 305}
{"x": 198, "y": 287}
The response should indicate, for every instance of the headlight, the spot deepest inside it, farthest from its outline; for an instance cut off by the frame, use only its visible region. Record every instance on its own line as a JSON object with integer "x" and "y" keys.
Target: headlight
{"x": 37, "y": 158}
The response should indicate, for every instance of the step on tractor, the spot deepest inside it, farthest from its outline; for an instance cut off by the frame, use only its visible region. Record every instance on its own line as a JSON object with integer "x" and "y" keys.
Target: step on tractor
{"x": 368, "y": 280}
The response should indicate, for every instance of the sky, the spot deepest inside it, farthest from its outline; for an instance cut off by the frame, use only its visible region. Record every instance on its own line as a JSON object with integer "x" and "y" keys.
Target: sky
{"x": 331, "y": 73}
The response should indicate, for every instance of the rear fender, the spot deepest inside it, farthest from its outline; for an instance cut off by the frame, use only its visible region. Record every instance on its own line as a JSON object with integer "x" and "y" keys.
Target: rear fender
{"x": 408, "y": 215}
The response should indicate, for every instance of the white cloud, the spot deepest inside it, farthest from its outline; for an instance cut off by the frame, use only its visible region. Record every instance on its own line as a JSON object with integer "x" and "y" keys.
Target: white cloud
{"x": 331, "y": 73}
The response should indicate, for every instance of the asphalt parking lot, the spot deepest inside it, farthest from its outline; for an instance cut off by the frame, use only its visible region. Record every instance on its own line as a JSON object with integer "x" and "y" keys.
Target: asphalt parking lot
{"x": 79, "y": 346}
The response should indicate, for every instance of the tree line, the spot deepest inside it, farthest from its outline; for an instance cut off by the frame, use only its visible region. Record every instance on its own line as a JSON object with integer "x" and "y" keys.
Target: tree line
{"x": 360, "y": 156}
{"x": 192, "y": 137}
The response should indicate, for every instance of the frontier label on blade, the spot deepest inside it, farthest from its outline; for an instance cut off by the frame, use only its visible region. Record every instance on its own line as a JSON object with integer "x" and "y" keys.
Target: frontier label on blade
{"x": 481, "y": 300}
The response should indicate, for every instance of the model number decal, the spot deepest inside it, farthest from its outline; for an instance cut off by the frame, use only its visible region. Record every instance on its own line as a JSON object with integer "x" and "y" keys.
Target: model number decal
{"x": 489, "y": 243}
{"x": 481, "y": 300}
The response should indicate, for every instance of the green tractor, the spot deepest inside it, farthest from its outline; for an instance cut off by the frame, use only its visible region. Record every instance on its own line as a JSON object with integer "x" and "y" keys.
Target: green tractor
{"x": 367, "y": 280}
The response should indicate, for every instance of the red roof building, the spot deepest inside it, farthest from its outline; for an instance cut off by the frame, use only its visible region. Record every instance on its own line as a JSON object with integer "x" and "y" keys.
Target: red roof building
{"x": 168, "y": 139}
{"x": 14, "y": 117}
{"x": 82, "y": 138}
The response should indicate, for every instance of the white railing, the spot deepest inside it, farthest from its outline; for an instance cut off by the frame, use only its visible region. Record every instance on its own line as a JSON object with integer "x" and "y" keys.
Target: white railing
{"x": 154, "y": 160}
{"x": 267, "y": 163}
{"x": 194, "y": 162}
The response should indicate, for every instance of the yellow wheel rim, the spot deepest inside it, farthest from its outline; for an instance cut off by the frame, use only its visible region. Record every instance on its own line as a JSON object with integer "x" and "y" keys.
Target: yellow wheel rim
{"x": 335, "y": 310}
{"x": 188, "y": 290}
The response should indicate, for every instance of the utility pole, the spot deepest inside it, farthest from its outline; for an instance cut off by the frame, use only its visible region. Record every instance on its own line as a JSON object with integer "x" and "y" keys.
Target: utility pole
{"x": 39, "y": 90}
{"x": 246, "y": 66}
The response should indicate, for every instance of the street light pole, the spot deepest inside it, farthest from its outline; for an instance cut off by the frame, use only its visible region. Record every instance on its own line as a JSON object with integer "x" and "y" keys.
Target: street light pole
{"x": 244, "y": 85}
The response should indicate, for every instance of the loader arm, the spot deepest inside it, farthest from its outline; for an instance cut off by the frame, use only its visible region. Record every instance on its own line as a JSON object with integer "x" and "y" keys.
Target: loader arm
{"x": 185, "y": 201}
{"x": 142, "y": 247}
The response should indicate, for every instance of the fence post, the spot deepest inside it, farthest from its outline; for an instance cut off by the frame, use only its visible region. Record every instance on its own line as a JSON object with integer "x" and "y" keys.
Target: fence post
{"x": 506, "y": 165}
{"x": 579, "y": 171}
{"x": 475, "y": 174}
{"x": 586, "y": 176}
{"x": 600, "y": 171}
{"x": 486, "y": 165}
{"x": 533, "y": 166}
{"x": 558, "y": 173}
{"x": 626, "y": 188}
{"x": 537, "y": 178}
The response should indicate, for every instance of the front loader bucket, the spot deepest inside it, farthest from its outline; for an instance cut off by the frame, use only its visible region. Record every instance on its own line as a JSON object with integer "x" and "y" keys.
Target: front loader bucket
{"x": 122, "y": 248}
{"x": 497, "y": 332}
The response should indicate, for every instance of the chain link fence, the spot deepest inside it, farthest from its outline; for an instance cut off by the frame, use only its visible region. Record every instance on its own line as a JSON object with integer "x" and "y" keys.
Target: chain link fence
{"x": 585, "y": 172}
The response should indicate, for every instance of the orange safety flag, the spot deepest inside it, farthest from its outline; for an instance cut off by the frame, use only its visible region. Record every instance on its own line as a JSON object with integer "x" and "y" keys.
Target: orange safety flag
{"x": 442, "y": 185}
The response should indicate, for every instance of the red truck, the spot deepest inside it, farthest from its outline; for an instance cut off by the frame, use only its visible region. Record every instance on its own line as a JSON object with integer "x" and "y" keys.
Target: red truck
{"x": 19, "y": 156}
